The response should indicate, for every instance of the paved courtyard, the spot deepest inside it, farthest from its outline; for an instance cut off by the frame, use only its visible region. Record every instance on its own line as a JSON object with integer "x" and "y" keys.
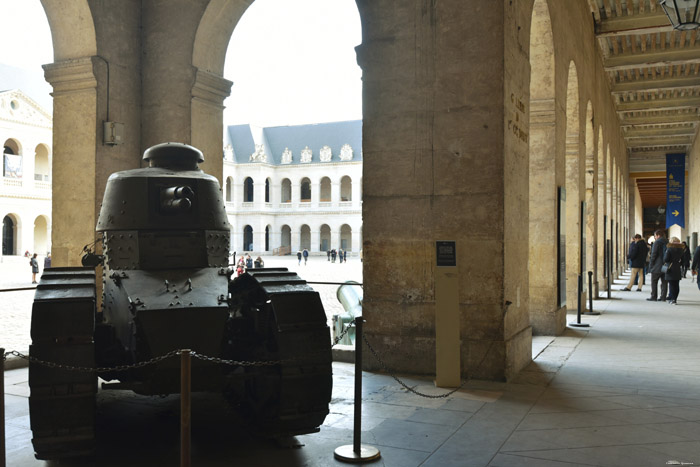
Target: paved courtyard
{"x": 15, "y": 306}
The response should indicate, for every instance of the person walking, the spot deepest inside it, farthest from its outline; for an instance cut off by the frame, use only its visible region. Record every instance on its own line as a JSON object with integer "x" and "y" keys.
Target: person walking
{"x": 333, "y": 255}
{"x": 340, "y": 255}
{"x": 35, "y": 267}
{"x": 637, "y": 255}
{"x": 305, "y": 253}
{"x": 673, "y": 257}
{"x": 685, "y": 261}
{"x": 656, "y": 261}
{"x": 328, "y": 255}
{"x": 299, "y": 257}
{"x": 248, "y": 262}
{"x": 47, "y": 261}
{"x": 695, "y": 267}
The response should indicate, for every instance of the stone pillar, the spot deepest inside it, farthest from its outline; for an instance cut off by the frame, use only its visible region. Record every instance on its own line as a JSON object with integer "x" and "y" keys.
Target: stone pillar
{"x": 335, "y": 193}
{"x": 315, "y": 198}
{"x": 75, "y": 122}
{"x": 437, "y": 159}
{"x": 546, "y": 317}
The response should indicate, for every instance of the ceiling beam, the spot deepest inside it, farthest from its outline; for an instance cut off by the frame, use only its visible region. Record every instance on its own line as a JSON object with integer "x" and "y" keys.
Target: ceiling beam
{"x": 660, "y": 141}
{"x": 646, "y": 23}
{"x": 667, "y": 57}
{"x": 686, "y": 117}
{"x": 658, "y": 84}
{"x": 636, "y": 131}
{"x": 674, "y": 103}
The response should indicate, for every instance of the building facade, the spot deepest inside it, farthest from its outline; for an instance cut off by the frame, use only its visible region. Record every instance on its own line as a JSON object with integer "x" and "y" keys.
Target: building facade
{"x": 25, "y": 191}
{"x": 293, "y": 188}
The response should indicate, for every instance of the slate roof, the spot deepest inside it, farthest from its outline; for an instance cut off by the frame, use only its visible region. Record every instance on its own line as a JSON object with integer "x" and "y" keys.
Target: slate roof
{"x": 31, "y": 82}
{"x": 243, "y": 139}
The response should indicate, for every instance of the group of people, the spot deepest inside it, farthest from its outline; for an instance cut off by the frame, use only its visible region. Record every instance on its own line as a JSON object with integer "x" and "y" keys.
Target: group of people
{"x": 246, "y": 262}
{"x": 341, "y": 254}
{"x": 667, "y": 261}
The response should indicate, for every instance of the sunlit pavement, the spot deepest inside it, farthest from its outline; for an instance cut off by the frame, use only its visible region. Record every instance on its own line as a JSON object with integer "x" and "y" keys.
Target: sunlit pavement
{"x": 623, "y": 392}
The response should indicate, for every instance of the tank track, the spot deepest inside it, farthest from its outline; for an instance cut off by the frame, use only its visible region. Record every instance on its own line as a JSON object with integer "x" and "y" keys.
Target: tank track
{"x": 62, "y": 402}
{"x": 276, "y": 316}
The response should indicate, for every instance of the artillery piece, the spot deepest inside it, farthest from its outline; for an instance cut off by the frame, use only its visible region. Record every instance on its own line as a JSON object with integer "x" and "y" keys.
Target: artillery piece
{"x": 166, "y": 285}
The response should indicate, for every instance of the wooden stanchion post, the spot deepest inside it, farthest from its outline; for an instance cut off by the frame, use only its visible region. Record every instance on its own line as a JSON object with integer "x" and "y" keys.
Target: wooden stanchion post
{"x": 185, "y": 407}
{"x": 2, "y": 408}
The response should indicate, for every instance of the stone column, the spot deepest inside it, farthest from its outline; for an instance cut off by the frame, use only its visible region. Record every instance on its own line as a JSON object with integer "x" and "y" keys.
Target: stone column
{"x": 315, "y": 240}
{"x": 315, "y": 199}
{"x": 546, "y": 317}
{"x": 74, "y": 201}
{"x": 437, "y": 159}
{"x": 335, "y": 193}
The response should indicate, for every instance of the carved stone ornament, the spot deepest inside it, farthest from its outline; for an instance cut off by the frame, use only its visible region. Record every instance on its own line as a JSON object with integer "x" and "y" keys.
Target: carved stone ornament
{"x": 259, "y": 154}
{"x": 287, "y": 156}
{"x": 17, "y": 107}
{"x": 346, "y": 153}
{"x": 306, "y": 155}
{"x": 326, "y": 154}
{"x": 228, "y": 152}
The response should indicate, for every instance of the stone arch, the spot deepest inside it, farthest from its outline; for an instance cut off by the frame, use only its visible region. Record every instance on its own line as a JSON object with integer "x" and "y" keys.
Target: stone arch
{"x": 286, "y": 236}
{"x": 286, "y": 191}
{"x": 229, "y": 189}
{"x": 41, "y": 235}
{"x": 11, "y": 234}
{"x": 326, "y": 196}
{"x": 248, "y": 238}
{"x": 42, "y": 164}
{"x": 305, "y": 190}
{"x": 72, "y": 29}
{"x": 248, "y": 190}
{"x": 305, "y": 237}
{"x": 573, "y": 187}
{"x": 542, "y": 245}
{"x": 12, "y": 146}
{"x": 325, "y": 237}
{"x": 346, "y": 188}
{"x": 345, "y": 237}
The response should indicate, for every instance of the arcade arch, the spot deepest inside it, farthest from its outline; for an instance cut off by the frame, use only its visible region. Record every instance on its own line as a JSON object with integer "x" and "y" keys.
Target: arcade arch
{"x": 42, "y": 165}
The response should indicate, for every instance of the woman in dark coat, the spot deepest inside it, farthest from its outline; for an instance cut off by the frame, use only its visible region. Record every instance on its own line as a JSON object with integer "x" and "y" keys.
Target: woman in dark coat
{"x": 685, "y": 263}
{"x": 673, "y": 256}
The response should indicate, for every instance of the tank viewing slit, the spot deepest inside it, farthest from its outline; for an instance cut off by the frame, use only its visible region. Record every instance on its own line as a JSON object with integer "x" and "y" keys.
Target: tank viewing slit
{"x": 167, "y": 286}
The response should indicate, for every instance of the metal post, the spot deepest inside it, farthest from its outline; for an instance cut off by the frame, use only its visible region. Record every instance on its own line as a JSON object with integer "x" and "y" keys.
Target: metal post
{"x": 2, "y": 408}
{"x": 185, "y": 407}
{"x": 590, "y": 296}
{"x": 609, "y": 256}
{"x": 357, "y": 452}
{"x": 578, "y": 323}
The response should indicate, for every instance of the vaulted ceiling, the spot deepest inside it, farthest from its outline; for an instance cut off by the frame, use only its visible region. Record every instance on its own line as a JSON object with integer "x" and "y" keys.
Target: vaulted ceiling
{"x": 654, "y": 74}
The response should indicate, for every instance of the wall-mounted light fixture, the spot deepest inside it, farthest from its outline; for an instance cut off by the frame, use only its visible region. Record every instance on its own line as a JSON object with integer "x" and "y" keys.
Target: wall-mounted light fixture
{"x": 683, "y": 14}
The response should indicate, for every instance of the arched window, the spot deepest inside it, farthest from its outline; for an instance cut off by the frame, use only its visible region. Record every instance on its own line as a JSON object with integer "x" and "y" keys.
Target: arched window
{"x": 286, "y": 240}
{"x": 305, "y": 190}
{"x": 9, "y": 235}
{"x": 41, "y": 163}
{"x": 12, "y": 161}
{"x": 325, "y": 237}
{"x": 41, "y": 235}
{"x": 267, "y": 192}
{"x": 229, "y": 189}
{"x": 346, "y": 237}
{"x": 247, "y": 238}
{"x": 267, "y": 237}
{"x": 346, "y": 189}
{"x": 325, "y": 190}
{"x": 286, "y": 191}
{"x": 248, "y": 194}
{"x": 305, "y": 237}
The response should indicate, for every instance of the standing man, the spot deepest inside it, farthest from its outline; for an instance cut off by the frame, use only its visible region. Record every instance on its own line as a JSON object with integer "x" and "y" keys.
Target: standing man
{"x": 655, "y": 263}
{"x": 637, "y": 256}
{"x": 305, "y": 253}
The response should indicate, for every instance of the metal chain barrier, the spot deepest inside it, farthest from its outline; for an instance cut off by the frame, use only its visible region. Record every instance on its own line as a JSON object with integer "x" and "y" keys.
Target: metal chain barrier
{"x": 166, "y": 356}
{"x": 406, "y": 386}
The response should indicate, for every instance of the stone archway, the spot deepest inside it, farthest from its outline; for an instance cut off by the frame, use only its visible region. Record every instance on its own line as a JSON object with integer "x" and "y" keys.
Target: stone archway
{"x": 545, "y": 316}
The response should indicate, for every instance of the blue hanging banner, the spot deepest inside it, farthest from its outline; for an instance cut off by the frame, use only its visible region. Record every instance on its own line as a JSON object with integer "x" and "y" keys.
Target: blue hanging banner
{"x": 675, "y": 190}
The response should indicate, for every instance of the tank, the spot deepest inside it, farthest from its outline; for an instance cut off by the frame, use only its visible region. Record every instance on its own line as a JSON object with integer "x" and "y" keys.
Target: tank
{"x": 166, "y": 285}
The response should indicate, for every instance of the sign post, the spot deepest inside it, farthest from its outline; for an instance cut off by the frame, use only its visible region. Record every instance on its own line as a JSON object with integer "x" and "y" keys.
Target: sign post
{"x": 447, "y": 326}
